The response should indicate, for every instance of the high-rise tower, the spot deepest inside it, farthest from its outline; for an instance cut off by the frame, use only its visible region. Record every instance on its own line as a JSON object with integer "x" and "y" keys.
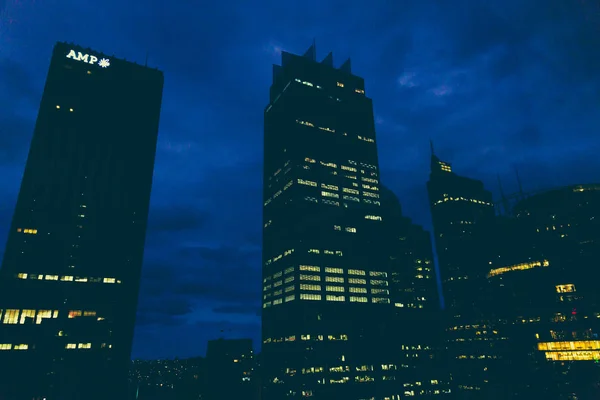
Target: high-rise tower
{"x": 71, "y": 271}
{"x": 325, "y": 284}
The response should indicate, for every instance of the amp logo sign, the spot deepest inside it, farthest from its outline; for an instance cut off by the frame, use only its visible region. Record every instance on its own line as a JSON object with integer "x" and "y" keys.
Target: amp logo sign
{"x": 87, "y": 58}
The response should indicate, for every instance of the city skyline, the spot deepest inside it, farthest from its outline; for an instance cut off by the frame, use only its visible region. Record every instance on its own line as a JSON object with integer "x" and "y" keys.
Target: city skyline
{"x": 414, "y": 99}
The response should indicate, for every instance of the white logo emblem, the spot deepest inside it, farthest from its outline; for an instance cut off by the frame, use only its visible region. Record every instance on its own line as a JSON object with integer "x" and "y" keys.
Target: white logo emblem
{"x": 87, "y": 58}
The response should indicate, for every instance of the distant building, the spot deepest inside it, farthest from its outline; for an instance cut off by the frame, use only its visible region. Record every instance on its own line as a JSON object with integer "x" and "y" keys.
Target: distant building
{"x": 178, "y": 379}
{"x": 549, "y": 302}
{"x": 230, "y": 372}
{"x": 71, "y": 271}
{"x": 463, "y": 217}
{"x": 326, "y": 292}
{"x": 421, "y": 352}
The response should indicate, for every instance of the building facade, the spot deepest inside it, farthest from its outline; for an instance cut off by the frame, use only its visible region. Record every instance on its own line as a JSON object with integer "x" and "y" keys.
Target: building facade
{"x": 230, "y": 370}
{"x": 326, "y": 299}
{"x": 463, "y": 215}
{"x": 71, "y": 271}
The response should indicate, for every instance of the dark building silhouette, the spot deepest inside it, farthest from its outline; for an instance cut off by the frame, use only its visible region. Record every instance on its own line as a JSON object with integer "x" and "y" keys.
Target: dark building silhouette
{"x": 420, "y": 350}
{"x": 71, "y": 271}
{"x": 326, "y": 305}
{"x": 548, "y": 301}
{"x": 463, "y": 217}
{"x": 230, "y": 372}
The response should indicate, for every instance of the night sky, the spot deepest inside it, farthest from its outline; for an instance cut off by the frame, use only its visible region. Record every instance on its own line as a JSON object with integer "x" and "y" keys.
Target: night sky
{"x": 512, "y": 84}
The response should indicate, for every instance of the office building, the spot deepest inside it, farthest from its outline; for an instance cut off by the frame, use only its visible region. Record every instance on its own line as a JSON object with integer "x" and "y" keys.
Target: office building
{"x": 326, "y": 299}
{"x": 71, "y": 270}
{"x": 230, "y": 372}
{"x": 463, "y": 218}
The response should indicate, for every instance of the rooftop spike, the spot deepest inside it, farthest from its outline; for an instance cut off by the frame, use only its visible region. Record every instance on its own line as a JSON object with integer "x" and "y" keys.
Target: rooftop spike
{"x": 519, "y": 183}
{"x": 312, "y": 52}
{"x": 328, "y": 60}
{"x": 346, "y": 67}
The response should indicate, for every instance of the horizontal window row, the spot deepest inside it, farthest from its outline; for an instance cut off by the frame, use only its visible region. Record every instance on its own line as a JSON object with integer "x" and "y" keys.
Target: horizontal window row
{"x": 65, "y": 278}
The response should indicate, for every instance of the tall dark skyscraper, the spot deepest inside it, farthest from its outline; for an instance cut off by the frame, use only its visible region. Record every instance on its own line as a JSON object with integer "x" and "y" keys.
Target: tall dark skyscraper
{"x": 71, "y": 271}
{"x": 325, "y": 284}
{"x": 463, "y": 216}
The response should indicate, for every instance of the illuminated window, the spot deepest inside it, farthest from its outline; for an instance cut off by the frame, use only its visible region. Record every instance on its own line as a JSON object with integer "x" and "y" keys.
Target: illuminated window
{"x": 277, "y": 275}
{"x": 340, "y": 84}
{"x": 334, "y": 279}
{"x": 289, "y": 279}
{"x": 380, "y": 300}
{"x": 335, "y": 298}
{"x": 578, "y": 345}
{"x": 329, "y": 187}
{"x": 21, "y": 347}
{"x": 310, "y": 160}
{"x": 310, "y": 296}
{"x": 358, "y": 299}
{"x": 377, "y": 282}
{"x": 351, "y": 198}
{"x": 379, "y": 291}
{"x": 366, "y": 139}
{"x": 305, "y": 123}
{"x": 109, "y": 280}
{"x": 373, "y": 217}
{"x": 310, "y": 277}
{"x": 44, "y": 314}
{"x": 84, "y": 346}
{"x": 289, "y": 270}
{"x": 305, "y": 286}
{"x": 290, "y": 298}
{"x": 66, "y": 278}
{"x": 350, "y": 229}
{"x": 334, "y": 288}
{"x": 329, "y": 194}
{"x": 22, "y": 275}
{"x": 351, "y": 191}
{"x": 378, "y": 273}
{"x": 337, "y": 228}
{"x": 277, "y": 301}
{"x": 307, "y": 183}
{"x": 315, "y": 251}
{"x": 357, "y": 281}
{"x": 289, "y": 288}
{"x": 310, "y": 268}
{"x": 357, "y": 290}
{"x": 332, "y": 270}
{"x": 573, "y": 355}
{"x": 51, "y": 277}
{"x": 359, "y": 91}
{"x": 27, "y": 314}
{"x": 71, "y": 346}
{"x": 568, "y": 288}
{"x": 74, "y": 313}
{"x": 369, "y": 194}
{"x": 346, "y": 168}
{"x": 11, "y": 317}
{"x": 356, "y": 272}
{"x": 518, "y": 267}
{"x": 5, "y": 346}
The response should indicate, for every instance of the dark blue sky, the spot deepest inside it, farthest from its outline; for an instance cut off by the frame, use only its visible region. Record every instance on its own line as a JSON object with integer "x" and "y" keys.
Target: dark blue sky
{"x": 514, "y": 83}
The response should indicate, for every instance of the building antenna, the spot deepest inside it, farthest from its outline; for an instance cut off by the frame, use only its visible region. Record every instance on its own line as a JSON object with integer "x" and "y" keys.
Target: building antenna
{"x": 519, "y": 183}
{"x": 505, "y": 204}
{"x": 146, "y": 64}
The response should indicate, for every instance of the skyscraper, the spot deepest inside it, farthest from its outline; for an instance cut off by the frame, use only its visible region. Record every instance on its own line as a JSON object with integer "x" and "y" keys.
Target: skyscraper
{"x": 463, "y": 215}
{"x": 325, "y": 285}
{"x": 71, "y": 271}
